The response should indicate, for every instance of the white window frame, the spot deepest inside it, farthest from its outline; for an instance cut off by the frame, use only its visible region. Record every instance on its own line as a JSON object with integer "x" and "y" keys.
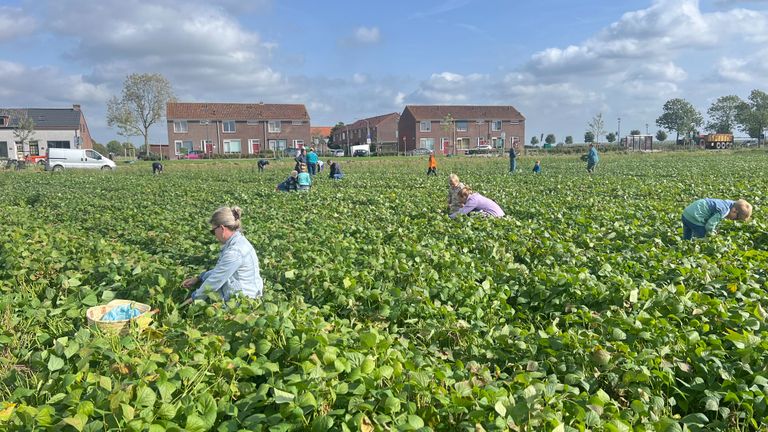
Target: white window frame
{"x": 297, "y": 143}
{"x": 224, "y": 126}
{"x": 228, "y": 143}
{"x": 459, "y": 128}
{"x": 275, "y": 126}
{"x": 494, "y": 124}
{"x": 180, "y": 126}
{"x": 425, "y": 126}
{"x": 251, "y": 142}
{"x": 425, "y": 143}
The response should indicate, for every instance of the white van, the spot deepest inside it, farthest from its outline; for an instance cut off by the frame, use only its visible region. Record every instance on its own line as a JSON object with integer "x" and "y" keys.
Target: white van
{"x": 59, "y": 158}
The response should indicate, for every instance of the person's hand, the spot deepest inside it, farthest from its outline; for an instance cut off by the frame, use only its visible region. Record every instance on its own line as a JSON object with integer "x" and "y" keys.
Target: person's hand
{"x": 190, "y": 282}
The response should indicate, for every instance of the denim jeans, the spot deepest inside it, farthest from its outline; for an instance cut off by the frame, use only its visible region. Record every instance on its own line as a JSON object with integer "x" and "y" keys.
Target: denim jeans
{"x": 690, "y": 229}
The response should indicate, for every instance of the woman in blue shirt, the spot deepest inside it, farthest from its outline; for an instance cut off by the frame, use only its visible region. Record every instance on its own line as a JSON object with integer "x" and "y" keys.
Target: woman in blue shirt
{"x": 237, "y": 269}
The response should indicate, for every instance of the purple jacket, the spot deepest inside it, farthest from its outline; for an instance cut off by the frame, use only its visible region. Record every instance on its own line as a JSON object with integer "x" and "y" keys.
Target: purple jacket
{"x": 479, "y": 203}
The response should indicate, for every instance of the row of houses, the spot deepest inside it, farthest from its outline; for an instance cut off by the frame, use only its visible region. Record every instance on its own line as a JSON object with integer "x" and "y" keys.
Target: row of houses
{"x": 246, "y": 129}
{"x": 53, "y": 128}
{"x": 237, "y": 130}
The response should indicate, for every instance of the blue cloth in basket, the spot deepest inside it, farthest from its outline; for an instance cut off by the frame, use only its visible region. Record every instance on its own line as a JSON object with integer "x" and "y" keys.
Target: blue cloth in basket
{"x": 121, "y": 313}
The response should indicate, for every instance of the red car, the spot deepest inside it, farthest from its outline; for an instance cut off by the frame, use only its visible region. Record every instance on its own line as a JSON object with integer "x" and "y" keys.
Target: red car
{"x": 194, "y": 154}
{"x": 30, "y": 159}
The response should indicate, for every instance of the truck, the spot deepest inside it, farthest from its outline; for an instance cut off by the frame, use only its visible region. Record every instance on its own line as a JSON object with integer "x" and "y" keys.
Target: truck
{"x": 717, "y": 141}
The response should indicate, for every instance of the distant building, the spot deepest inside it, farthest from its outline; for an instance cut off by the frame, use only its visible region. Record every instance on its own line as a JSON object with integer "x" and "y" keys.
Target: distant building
{"x": 382, "y": 130}
{"x": 453, "y": 129}
{"x": 321, "y": 135}
{"x": 54, "y": 128}
{"x": 235, "y": 129}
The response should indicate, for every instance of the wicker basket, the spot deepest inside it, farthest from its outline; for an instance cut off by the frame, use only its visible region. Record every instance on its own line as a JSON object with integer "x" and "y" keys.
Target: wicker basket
{"x": 95, "y": 313}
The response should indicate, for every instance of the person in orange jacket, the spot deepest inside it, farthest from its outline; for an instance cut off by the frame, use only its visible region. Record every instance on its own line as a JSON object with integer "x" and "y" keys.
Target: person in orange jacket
{"x": 432, "y": 168}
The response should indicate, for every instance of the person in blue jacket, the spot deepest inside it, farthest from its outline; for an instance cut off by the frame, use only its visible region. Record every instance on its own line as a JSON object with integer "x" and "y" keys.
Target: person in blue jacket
{"x": 312, "y": 161}
{"x": 592, "y": 158}
{"x": 702, "y": 216}
{"x": 512, "y": 159}
{"x": 537, "y": 167}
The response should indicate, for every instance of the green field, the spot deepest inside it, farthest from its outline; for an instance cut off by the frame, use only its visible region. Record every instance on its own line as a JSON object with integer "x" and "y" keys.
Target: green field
{"x": 581, "y": 310}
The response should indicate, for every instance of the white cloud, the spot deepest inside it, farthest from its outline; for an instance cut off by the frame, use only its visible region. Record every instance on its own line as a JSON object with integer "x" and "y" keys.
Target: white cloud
{"x": 14, "y": 23}
{"x": 367, "y": 35}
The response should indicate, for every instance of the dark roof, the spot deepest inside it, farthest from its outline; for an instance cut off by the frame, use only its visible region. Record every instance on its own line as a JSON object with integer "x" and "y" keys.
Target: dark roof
{"x": 465, "y": 112}
{"x": 373, "y": 121}
{"x": 235, "y": 111}
{"x": 45, "y": 118}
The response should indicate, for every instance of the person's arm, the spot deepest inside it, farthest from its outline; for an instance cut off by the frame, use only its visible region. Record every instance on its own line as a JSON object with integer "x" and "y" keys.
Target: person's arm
{"x": 470, "y": 205}
{"x": 713, "y": 221}
{"x": 214, "y": 279}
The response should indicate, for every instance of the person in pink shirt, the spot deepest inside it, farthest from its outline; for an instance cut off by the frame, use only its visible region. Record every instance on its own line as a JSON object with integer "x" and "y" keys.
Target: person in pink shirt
{"x": 474, "y": 202}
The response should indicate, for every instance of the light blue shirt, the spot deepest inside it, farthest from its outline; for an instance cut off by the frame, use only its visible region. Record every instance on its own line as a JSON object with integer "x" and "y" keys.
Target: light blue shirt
{"x": 304, "y": 179}
{"x": 708, "y": 212}
{"x": 236, "y": 271}
{"x": 593, "y": 157}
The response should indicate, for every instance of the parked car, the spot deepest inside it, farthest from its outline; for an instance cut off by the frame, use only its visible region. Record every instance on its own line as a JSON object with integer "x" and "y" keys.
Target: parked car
{"x": 59, "y": 158}
{"x": 336, "y": 152}
{"x": 360, "y": 153}
{"x": 419, "y": 152}
{"x": 35, "y": 159}
{"x": 194, "y": 154}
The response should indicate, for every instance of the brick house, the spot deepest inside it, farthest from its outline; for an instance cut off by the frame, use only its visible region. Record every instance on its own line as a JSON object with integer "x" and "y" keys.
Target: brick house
{"x": 382, "y": 129}
{"x": 54, "y": 128}
{"x": 235, "y": 129}
{"x": 452, "y": 129}
{"x": 320, "y": 137}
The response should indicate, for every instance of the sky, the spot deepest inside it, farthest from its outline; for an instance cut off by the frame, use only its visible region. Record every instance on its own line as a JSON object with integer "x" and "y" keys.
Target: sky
{"x": 559, "y": 62}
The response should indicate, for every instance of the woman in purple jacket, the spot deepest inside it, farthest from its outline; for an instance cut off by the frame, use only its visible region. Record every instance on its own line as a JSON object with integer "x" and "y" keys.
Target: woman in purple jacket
{"x": 474, "y": 202}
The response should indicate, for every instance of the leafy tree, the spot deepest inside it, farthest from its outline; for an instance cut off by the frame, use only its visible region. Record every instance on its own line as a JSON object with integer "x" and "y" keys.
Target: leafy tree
{"x": 569, "y": 139}
{"x": 597, "y": 127}
{"x": 634, "y": 132}
{"x": 611, "y": 137}
{"x": 100, "y": 148}
{"x": 661, "y": 136}
{"x": 446, "y": 123}
{"x": 334, "y": 129}
{"x": 141, "y": 105}
{"x": 589, "y": 137}
{"x": 25, "y": 128}
{"x": 534, "y": 140}
{"x": 550, "y": 139}
{"x": 679, "y": 116}
{"x": 752, "y": 116}
{"x": 115, "y": 147}
{"x": 722, "y": 114}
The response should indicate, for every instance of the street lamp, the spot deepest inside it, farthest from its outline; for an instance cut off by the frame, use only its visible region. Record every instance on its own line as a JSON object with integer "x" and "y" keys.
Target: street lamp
{"x": 619, "y": 131}
{"x": 646, "y": 128}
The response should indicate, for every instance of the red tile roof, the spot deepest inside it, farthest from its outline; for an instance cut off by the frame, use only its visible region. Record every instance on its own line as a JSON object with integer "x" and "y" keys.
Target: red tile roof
{"x": 465, "y": 112}
{"x": 235, "y": 111}
{"x": 324, "y": 131}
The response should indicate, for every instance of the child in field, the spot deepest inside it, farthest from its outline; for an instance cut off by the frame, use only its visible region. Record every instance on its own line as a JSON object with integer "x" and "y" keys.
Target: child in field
{"x": 454, "y": 187}
{"x": 432, "y": 167}
{"x": 157, "y": 168}
{"x": 537, "y": 167}
{"x": 262, "y": 163}
{"x": 304, "y": 180}
{"x": 290, "y": 183}
{"x": 335, "y": 170}
{"x": 474, "y": 202}
{"x": 702, "y": 216}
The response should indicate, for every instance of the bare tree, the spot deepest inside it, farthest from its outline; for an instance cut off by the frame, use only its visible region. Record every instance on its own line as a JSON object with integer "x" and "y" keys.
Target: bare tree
{"x": 447, "y": 125}
{"x": 597, "y": 127}
{"x": 141, "y": 105}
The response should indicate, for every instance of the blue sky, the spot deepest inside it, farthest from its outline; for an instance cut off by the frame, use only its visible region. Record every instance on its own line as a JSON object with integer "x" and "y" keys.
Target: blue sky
{"x": 559, "y": 62}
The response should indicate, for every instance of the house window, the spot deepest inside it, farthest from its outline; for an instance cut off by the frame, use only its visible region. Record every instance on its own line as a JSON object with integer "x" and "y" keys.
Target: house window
{"x": 462, "y": 143}
{"x": 496, "y": 125}
{"x": 3, "y": 122}
{"x": 497, "y": 142}
{"x": 183, "y": 147}
{"x": 461, "y": 126}
{"x": 274, "y": 126}
{"x": 228, "y": 126}
{"x": 254, "y": 146}
{"x": 232, "y": 146}
{"x": 58, "y": 144}
{"x": 425, "y": 126}
{"x": 276, "y": 144}
{"x": 180, "y": 126}
{"x": 427, "y": 143}
{"x": 298, "y": 144}
{"x": 34, "y": 148}
{"x": 3, "y": 149}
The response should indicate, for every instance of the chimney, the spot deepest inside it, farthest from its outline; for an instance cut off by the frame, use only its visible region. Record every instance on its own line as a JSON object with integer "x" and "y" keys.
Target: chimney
{"x": 76, "y": 107}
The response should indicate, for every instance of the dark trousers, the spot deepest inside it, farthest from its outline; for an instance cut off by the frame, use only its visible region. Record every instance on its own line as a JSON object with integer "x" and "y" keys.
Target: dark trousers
{"x": 690, "y": 230}
{"x": 312, "y": 168}
{"x": 432, "y": 171}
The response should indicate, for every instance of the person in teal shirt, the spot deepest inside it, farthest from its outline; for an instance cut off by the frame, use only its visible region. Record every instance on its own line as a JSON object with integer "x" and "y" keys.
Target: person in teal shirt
{"x": 304, "y": 180}
{"x": 592, "y": 158}
{"x": 312, "y": 159}
{"x": 702, "y": 216}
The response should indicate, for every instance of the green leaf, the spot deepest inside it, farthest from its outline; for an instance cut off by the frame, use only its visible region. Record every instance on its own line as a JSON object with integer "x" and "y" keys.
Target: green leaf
{"x": 283, "y": 396}
{"x": 78, "y": 421}
{"x": 290, "y": 274}
{"x": 368, "y": 339}
{"x": 195, "y": 424}
{"x": 500, "y": 408}
{"x": 55, "y": 363}
{"x": 392, "y": 405}
{"x": 697, "y": 419}
{"x": 668, "y": 425}
{"x": 145, "y": 397}
{"x": 167, "y": 411}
